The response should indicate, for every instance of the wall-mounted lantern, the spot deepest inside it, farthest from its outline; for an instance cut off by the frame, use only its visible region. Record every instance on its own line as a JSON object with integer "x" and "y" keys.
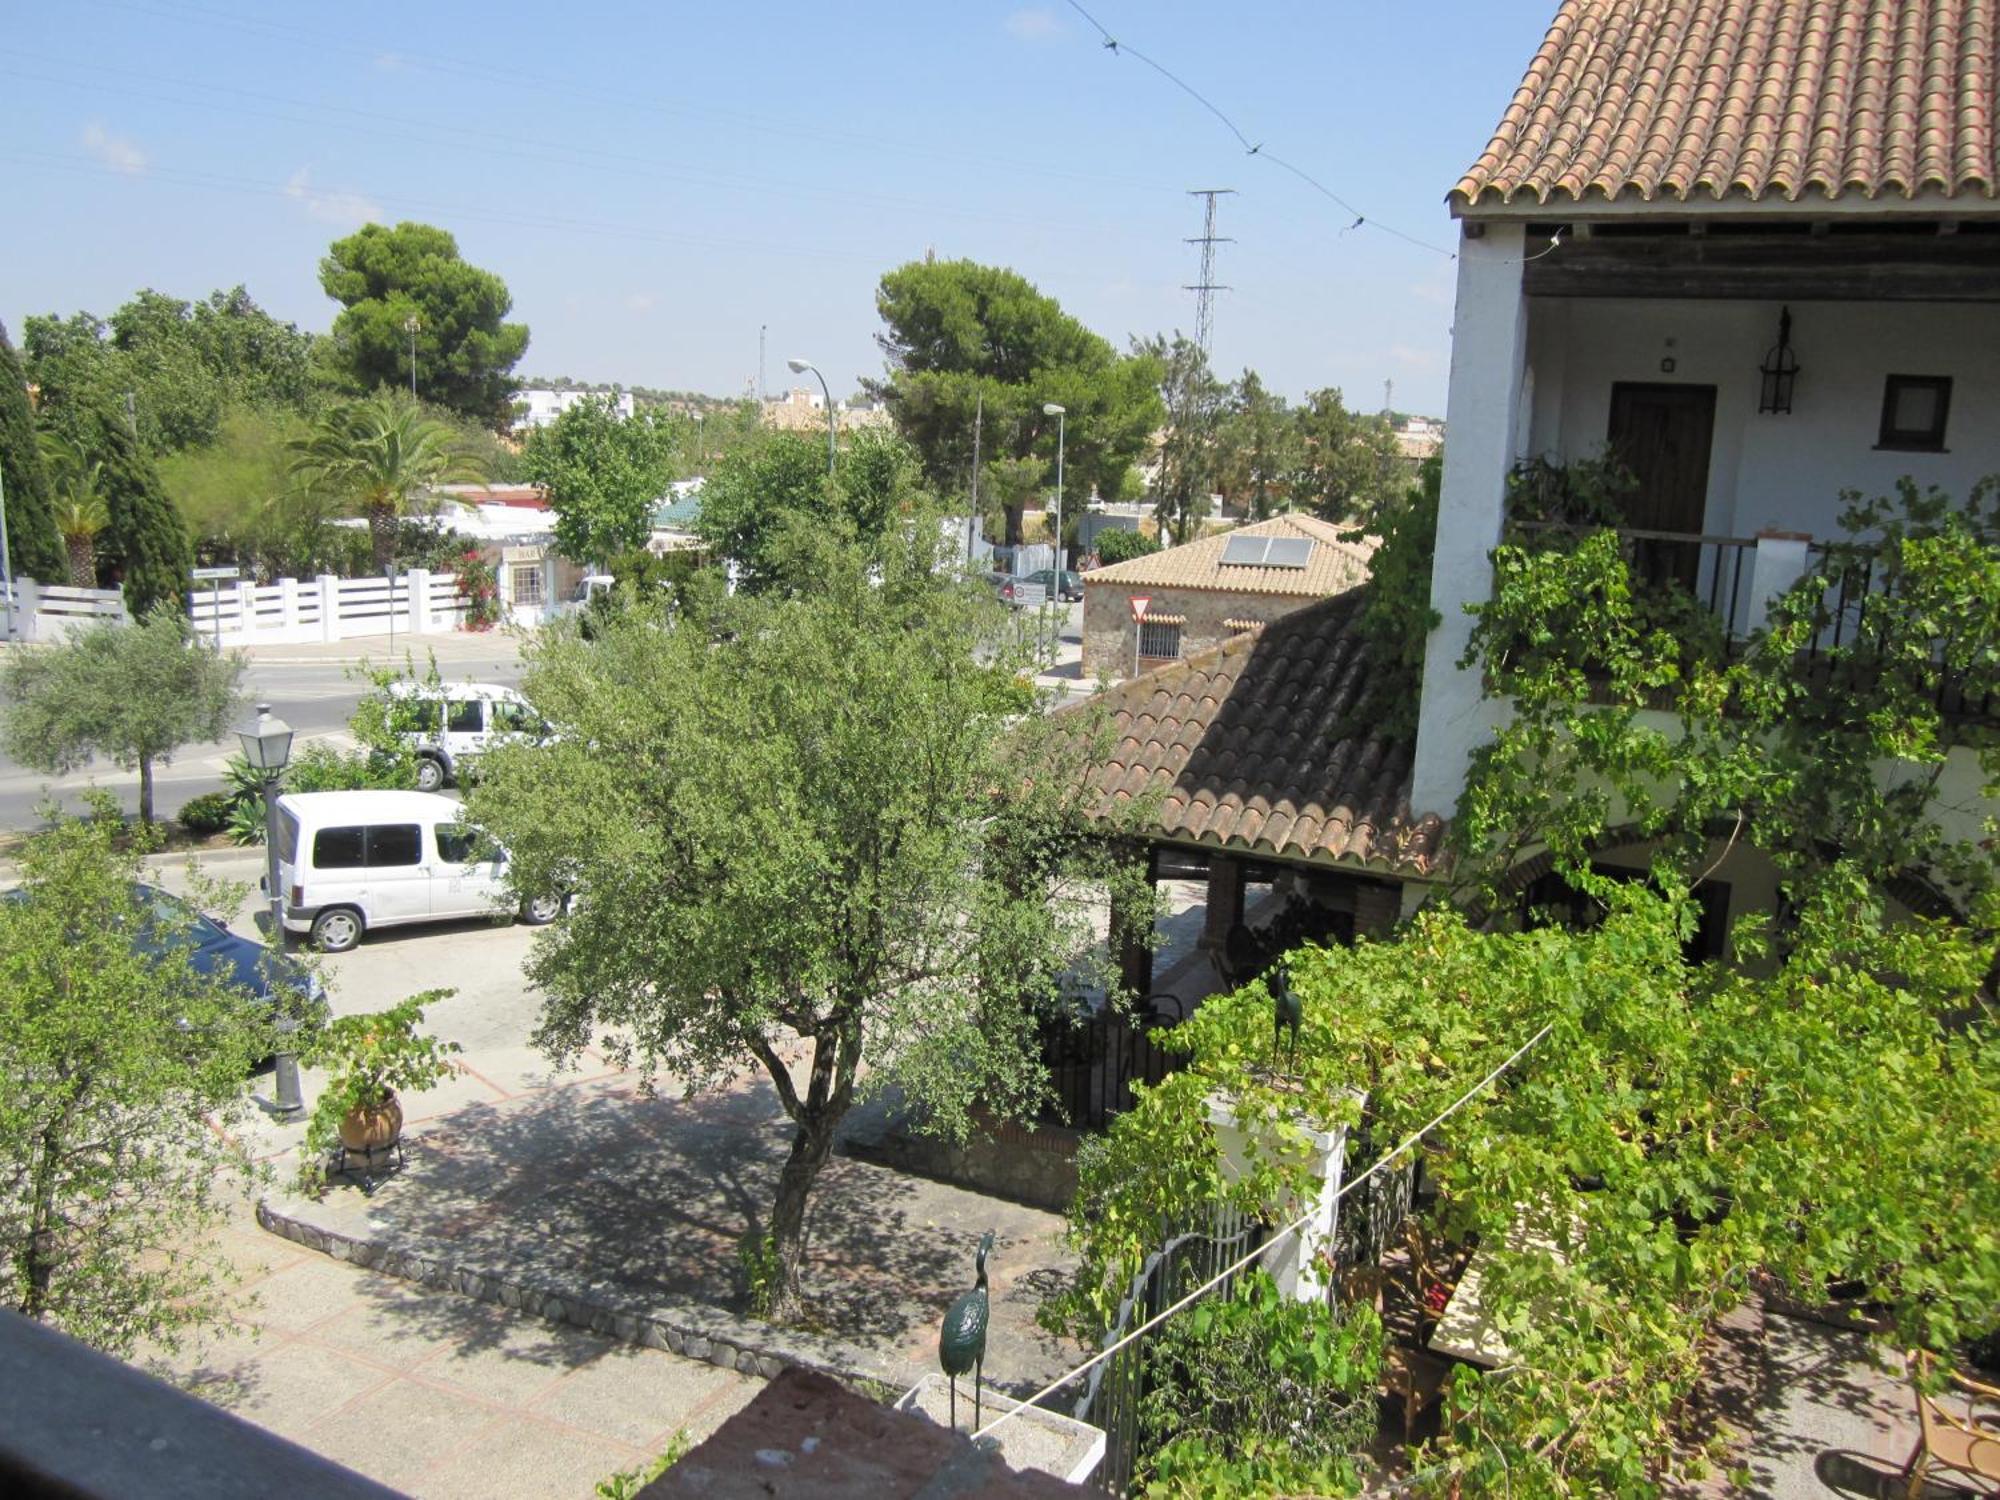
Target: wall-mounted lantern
{"x": 1780, "y": 371}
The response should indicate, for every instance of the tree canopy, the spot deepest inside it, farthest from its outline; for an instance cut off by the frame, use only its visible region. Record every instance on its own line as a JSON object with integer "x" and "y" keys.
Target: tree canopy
{"x": 604, "y": 474}
{"x": 34, "y": 547}
{"x": 465, "y": 349}
{"x": 1348, "y": 463}
{"x": 1190, "y": 464}
{"x": 121, "y": 1071}
{"x": 134, "y": 693}
{"x": 379, "y": 454}
{"x": 959, "y": 334}
{"x": 145, "y": 532}
{"x": 800, "y": 820}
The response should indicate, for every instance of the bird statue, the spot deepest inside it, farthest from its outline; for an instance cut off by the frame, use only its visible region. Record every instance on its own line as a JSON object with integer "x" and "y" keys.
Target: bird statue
{"x": 962, "y": 1341}
{"x": 1286, "y": 1012}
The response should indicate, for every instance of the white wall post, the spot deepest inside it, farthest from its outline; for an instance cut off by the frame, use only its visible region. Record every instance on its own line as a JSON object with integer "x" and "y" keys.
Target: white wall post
{"x": 1488, "y": 362}
{"x": 288, "y": 605}
{"x": 27, "y": 598}
{"x": 1298, "y": 1262}
{"x": 418, "y": 583}
{"x": 1780, "y": 562}
{"x": 329, "y": 607}
{"x": 246, "y": 610}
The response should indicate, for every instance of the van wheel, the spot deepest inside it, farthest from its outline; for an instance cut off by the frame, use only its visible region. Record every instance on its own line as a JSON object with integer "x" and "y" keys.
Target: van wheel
{"x": 539, "y": 911}
{"x": 430, "y": 774}
{"x": 336, "y": 929}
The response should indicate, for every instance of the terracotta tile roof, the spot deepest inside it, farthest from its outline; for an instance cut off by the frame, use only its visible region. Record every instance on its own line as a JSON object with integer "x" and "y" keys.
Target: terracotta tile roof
{"x": 1334, "y": 567}
{"x": 1752, "y": 99}
{"x": 1243, "y": 740}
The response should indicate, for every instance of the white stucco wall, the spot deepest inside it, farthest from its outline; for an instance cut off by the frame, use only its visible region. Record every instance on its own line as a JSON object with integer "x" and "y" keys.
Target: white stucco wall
{"x": 1778, "y": 472}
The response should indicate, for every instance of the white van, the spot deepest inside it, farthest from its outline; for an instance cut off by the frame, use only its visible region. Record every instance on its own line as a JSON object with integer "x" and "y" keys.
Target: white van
{"x": 351, "y": 861}
{"x": 450, "y": 726}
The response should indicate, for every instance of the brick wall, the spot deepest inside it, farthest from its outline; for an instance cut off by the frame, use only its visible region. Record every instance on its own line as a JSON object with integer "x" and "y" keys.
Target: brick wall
{"x": 1108, "y": 627}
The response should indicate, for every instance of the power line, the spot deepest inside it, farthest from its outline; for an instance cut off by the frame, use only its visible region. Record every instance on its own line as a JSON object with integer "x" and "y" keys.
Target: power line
{"x": 1264, "y": 1249}
{"x": 1252, "y": 148}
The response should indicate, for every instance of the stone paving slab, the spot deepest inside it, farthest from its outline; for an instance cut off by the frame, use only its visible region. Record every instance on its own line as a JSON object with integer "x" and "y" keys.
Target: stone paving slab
{"x": 617, "y": 1211}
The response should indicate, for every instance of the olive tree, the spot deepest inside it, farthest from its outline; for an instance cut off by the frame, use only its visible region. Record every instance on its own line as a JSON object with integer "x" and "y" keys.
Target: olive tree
{"x": 805, "y": 843}
{"x": 135, "y": 693}
{"x": 118, "y": 1060}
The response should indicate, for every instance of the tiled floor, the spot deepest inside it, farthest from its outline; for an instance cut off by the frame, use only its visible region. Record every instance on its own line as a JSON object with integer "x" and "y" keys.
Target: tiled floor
{"x": 439, "y": 1395}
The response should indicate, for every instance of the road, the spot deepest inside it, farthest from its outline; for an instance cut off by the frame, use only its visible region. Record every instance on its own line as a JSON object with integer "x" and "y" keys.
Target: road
{"x": 312, "y": 688}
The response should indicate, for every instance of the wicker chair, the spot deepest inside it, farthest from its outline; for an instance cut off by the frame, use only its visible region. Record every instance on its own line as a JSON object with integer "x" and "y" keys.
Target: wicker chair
{"x": 1963, "y": 1447}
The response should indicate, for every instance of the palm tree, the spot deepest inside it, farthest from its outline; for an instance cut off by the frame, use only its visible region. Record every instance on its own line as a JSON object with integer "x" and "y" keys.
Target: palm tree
{"x": 381, "y": 452}
{"x": 79, "y": 504}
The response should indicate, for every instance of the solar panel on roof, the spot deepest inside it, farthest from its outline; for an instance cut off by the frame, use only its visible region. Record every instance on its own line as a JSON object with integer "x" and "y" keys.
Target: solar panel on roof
{"x": 1245, "y": 551}
{"x": 1289, "y": 552}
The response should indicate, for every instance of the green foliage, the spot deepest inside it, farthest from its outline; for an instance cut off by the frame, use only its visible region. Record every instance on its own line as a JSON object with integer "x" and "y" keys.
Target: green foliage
{"x": 758, "y": 1269}
{"x": 1258, "y": 449}
{"x": 134, "y": 693}
{"x": 206, "y": 814}
{"x": 186, "y": 366}
{"x": 34, "y": 547}
{"x": 1681, "y": 1131}
{"x": 605, "y": 474}
{"x": 465, "y": 350}
{"x": 813, "y": 813}
{"x": 627, "y": 1483}
{"x": 1397, "y": 618}
{"x": 1190, "y": 461}
{"x": 123, "y": 1071}
{"x": 378, "y": 454}
{"x": 146, "y": 534}
{"x": 1115, "y": 545}
{"x": 480, "y": 580}
{"x": 1256, "y": 1393}
{"x": 240, "y": 499}
{"x": 772, "y": 510}
{"x": 960, "y": 335}
{"x": 368, "y": 1059}
{"x": 1350, "y": 469}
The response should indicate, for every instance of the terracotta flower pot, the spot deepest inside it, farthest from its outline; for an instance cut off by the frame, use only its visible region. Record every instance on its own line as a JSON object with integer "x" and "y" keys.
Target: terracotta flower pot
{"x": 364, "y": 1129}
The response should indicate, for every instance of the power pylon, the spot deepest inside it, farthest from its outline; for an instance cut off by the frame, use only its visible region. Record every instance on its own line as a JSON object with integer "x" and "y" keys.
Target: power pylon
{"x": 1205, "y": 289}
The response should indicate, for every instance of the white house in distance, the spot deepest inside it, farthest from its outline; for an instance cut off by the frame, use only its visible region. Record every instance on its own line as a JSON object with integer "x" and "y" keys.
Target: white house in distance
{"x": 540, "y": 408}
{"x": 1679, "y": 206}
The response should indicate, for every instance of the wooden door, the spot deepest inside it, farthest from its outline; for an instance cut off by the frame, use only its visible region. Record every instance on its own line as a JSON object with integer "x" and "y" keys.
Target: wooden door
{"x": 1662, "y": 434}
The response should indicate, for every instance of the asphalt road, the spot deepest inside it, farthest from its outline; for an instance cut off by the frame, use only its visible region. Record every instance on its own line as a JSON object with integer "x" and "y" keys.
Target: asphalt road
{"x": 312, "y": 688}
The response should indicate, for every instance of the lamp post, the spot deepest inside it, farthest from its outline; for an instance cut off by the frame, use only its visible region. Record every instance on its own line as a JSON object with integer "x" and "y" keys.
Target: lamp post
{"x": 1061, "y": 414}
{"x": 799, "y": 367}
{"x": 411, "y": 325}
{"x": 267, "y": 748}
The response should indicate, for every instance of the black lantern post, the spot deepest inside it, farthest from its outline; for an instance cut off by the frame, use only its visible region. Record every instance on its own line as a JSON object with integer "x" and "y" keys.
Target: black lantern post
{"x": 1780, "y": 371}
{"x": 267, "y": 747}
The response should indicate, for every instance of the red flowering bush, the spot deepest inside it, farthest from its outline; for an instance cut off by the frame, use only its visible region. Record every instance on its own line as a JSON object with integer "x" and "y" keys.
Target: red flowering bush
{"x": 480, "y": 583}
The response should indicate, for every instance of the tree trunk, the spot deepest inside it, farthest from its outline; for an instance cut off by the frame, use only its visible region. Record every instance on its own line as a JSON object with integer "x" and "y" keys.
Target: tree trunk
{"x": 146, "y": 790}
{"x": 82, "y": 552}
{"x": 382, "y": 534}
{"x": 812, "y": 1143}
{"x": 1014, "y": 515}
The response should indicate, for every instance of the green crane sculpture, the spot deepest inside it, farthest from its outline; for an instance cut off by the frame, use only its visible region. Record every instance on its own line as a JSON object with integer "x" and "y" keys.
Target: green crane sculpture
{"x": 1286, "y": 1011}
{"x": 962, "y": 1341}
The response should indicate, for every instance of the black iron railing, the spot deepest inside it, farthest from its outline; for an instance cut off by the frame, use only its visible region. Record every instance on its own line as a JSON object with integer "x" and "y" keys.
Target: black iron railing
{"x": 1095, "y": 1058}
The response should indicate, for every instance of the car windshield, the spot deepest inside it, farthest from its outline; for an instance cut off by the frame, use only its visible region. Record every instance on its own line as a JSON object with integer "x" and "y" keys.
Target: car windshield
{"x": 171, "y": 912}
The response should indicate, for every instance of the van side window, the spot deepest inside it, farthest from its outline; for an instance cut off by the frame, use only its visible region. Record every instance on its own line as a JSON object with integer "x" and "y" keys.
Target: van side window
{"x": 516, "y": 718}
{"x": 462, "y": 844}
{"x": 338, "y": 849}
{"x": 467, "y": 716}
{"x": 395, "y": 844}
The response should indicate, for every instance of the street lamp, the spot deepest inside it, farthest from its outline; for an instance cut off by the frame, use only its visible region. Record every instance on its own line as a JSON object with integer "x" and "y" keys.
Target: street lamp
{"x": 799, "y": 367}
{"x": 267, "y": 748}
{"x": 1061, "y": 415}
{"x": 411, "y": 325}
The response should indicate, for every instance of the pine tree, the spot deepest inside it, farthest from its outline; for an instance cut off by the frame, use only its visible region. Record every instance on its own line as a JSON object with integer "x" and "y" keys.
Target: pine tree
{"x": 146, "y": 530}
{"x": 33, "y": 545}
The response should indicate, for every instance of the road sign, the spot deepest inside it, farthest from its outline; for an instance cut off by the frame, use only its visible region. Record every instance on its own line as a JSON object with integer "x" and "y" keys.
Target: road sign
{"x": 209, "y": 574}
{"x": 1139, "y": 603}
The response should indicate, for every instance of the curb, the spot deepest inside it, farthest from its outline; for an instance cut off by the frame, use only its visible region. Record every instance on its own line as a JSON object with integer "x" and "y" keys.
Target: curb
{"x": 693, "y": 1330}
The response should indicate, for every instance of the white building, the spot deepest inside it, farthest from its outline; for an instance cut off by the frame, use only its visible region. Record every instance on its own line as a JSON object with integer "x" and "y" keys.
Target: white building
{"x": 1674, "y": 203}
{"x": 541, "y": 407}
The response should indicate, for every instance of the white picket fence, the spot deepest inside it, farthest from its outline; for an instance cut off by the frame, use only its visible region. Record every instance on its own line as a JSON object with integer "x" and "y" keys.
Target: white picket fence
{"x": 244, "y": 614}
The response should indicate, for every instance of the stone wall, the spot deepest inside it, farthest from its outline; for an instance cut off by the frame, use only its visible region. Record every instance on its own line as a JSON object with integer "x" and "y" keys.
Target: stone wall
{"x": 1031, "y": 1164}
{"x": 1108, "y": 628}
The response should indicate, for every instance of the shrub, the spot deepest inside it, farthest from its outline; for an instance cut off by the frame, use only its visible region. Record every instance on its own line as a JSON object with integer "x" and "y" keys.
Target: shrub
{"x": 1121, "y": 546}
{"x": 206, "y": 814}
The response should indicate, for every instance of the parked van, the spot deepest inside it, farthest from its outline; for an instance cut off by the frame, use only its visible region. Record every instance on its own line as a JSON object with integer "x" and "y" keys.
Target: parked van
{"x": 352, "y": 861}
{"x": 451, "y": 726}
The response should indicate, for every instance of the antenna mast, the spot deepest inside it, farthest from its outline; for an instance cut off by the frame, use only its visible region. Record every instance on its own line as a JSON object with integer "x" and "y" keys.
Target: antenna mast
{"x": 1204, "y": 289}
{"x": 763, "y": 394}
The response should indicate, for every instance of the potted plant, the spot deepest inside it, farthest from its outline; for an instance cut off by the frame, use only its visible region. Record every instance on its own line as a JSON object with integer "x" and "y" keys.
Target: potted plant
{"x": 368, "y": 1058}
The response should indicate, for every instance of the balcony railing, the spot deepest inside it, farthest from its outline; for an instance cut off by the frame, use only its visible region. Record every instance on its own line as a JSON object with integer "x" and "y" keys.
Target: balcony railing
{"x": 1735, "y": 579}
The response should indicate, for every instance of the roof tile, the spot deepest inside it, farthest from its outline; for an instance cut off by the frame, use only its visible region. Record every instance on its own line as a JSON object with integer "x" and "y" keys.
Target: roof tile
{"x": 1334, "y": 566}
{"x": 1751, "y": 99}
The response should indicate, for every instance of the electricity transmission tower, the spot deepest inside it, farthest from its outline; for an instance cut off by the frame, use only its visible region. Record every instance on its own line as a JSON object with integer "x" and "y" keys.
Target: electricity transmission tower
{"x": 1205, "y": 289}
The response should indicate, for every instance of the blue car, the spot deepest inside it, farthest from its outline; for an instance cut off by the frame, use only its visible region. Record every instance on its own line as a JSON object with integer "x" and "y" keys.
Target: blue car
{"x": 276, "y": 979}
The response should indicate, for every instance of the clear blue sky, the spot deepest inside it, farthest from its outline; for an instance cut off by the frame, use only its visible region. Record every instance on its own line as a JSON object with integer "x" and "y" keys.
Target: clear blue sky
{"x": 656, "y": 180}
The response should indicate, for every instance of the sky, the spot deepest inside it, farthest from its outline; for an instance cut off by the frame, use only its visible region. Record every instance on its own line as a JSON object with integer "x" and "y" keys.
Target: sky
{"x": 657, "y": 181}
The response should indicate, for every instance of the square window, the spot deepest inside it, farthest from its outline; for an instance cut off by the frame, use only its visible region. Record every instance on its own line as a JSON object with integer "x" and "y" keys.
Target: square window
{"x": 468, "y": 716}
{"x": 392, "y": 844}
{"x": 527, "y": 580}
{"x": 337, "y": 849}
{"x": 1914, "y": 411}
{"x": 1159, "y": 640}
